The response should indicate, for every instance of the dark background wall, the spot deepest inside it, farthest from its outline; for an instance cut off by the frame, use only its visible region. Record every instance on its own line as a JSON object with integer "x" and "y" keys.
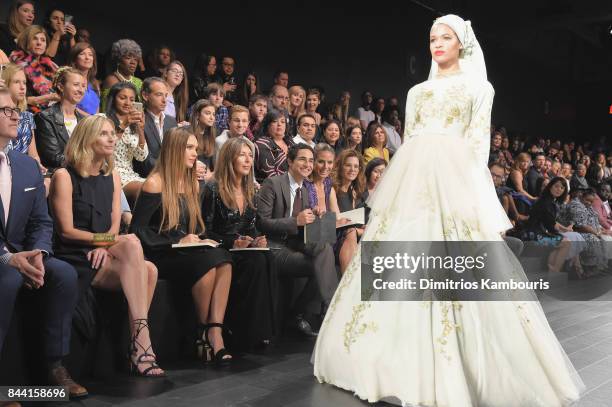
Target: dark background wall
{"x": 549, "y": 80}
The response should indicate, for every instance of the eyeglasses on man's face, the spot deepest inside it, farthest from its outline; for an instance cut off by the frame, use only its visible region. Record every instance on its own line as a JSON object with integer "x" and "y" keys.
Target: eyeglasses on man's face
{"x": 10, "y": 111}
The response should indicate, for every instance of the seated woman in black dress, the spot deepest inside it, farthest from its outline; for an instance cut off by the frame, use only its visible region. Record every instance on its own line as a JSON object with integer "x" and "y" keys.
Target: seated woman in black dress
{"x": 350, "y": 186}
{"x": 85, "y": 201}
{"x": 168, "y": 212}
{"x": 229, "y": 215}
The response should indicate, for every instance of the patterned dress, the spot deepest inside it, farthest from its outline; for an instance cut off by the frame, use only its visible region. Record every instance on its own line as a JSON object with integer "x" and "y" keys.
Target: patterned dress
{"x": 126, "y": 150}
{"x": 25, "y": 131}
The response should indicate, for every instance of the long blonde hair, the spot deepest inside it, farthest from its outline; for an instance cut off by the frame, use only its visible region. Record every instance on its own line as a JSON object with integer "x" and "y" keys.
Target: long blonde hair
{"x": 225, "y": 174}
{"x": 79, "y": 152}
{"x": 9, "y": 72}
{"x": 170, "y": 167}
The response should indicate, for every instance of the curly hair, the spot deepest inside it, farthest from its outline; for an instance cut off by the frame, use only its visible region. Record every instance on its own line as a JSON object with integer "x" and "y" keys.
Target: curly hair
{"x": 124, "y": 47}
{"x": 61, "y": 76}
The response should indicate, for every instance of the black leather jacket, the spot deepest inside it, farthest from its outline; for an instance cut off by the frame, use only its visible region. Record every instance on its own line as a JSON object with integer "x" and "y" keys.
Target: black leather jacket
{"x": 52, "y": 136}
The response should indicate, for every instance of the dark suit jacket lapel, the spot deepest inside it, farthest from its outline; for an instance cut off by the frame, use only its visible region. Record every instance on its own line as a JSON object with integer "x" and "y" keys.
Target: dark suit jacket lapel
{"x": 151, "y": 128}
{"x": 17, "y": 190}
{"x": 286, "y": 191}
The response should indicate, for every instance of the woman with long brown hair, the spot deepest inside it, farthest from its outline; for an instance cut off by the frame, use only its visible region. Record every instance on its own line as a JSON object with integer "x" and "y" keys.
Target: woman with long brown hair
{"x": 229, "y": 213}
{"x": 203, "y": 127}
{"x": 168, "y": 212}
{"x": 350, "y": 186}
{"x": 175, "y": 76}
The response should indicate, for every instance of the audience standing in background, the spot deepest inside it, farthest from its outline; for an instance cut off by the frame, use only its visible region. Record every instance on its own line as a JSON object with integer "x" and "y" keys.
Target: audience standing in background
{"x": 125, "y": 55}
{"x": 389, "y": 117}
{"x": 204, "y": 73}
{"x": 38, "y": 67}
{"x": 158, "y": 61}
{"x": 20, "y": 16}
{"x": 281, "y": 78}
{"x": 61, "y": 36}
{"x": 228, "y": 79}
{"x": 83, "y": 58}
{"x": 203, "y": 127}
{"x": 364, "y": 112}
{"x": 248, "y": 87}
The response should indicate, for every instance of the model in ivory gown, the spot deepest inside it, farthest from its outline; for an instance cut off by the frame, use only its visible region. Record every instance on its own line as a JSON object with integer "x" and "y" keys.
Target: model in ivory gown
{"x": 437, "y": 187}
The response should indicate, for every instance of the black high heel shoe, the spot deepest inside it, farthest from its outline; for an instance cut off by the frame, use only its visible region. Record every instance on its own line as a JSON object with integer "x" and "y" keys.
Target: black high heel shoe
{"x": 139, "y": 325}
{"x": 220, "y": 358}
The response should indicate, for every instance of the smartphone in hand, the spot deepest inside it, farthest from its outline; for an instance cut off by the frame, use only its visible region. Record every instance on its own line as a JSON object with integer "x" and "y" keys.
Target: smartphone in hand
{"x": 137, "y": 106}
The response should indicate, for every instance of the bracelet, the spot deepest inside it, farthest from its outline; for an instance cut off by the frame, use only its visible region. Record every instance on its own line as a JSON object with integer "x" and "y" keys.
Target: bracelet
{"x": 103, "y": 238}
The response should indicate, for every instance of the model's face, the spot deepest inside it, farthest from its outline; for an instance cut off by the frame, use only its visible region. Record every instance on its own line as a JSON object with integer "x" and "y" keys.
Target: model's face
{"x": 191, "y": 151}
{"x": 350, "y": 169}
{"x": 174, "y": 75}
{"x": 74, "y": 89}
{"x": 375, "y": 175}
{"x": 85, "y": 60}
{"x": 128, "y": 64}
{"x": 8, "y": 125}
{"x": 228, "y": 65}
{"x": 38, "y": 44}
{"x": 332, "y": 134}
{"x": 283, "y": 79}
{"x": 444, "y": 45}
{"x": 303, "y": 164}
{"x": 207, "y": 116}
{"x": 56, "y": 20}
{"x": 25, "y": 14}
{"x": 239, "y": 122}
{"x": 280, "y": 99}
{"x": 324, "y": 164}
{"x": 297, "y": 98}
{"x": 212, "y": 66}
{"x": 312, "y": 102}
{"x": 356, "y": 136}
{"x": 259, "y": 109}
{"x": 17, "y": 86}
{"x": 243, "y": 163}
{"x": 104, "y": 146}
{"x": 156, "y": 99}
{"x": 277, "y": 128}
{"x": 124, "y": 100}
{"x": 164, "y": 57}
{"x": 307, "y": 128}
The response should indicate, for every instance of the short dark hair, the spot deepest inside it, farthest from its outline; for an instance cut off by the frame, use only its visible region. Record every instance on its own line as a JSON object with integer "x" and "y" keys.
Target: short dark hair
{"x": 272, "y": 116}
{"x": 303, "y": 116}
{"x": 294, "y": 149}
{"x": 257, "y": 96}
{"x": 146, "y": 84}
{"x": 374, "y": 162}
{"x": 278, "y": 73}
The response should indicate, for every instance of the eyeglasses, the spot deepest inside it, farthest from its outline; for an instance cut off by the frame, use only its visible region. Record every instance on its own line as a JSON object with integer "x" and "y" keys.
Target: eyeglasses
{"x": 176, "y": 71}
{"x": 9, "y": 111}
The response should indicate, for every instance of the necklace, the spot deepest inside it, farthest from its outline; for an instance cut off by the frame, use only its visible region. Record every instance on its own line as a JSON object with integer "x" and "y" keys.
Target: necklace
{"x": 121, "y": 77}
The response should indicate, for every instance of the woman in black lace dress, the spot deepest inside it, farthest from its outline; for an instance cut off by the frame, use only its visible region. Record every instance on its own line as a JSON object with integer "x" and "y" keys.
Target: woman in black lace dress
{"x": 229, "y": 214}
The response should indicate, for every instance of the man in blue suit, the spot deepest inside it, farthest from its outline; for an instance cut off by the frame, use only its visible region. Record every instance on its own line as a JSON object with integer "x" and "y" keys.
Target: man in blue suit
{"x": 25, "y": 251}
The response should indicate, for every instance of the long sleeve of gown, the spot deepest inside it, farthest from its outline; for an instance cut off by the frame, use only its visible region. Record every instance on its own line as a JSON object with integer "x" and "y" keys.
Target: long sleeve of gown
{"x": 145, "y": 224}
{"x": 410, "y": 115}
{"x": 479, "y": 129}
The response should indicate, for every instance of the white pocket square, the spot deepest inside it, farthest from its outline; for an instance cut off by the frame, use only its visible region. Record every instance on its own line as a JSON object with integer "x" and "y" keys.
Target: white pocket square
{"x": 29, "y": 189}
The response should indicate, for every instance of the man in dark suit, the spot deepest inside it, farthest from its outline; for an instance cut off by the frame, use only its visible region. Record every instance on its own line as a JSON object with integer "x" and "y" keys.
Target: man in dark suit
{"x": 282, "y": 211}
{"x": 25, "y": 251}
{"x": 154, "y": 94}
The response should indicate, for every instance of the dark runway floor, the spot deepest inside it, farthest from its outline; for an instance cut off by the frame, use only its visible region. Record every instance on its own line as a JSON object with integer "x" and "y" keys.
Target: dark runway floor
{"x": 282, "y": 376}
